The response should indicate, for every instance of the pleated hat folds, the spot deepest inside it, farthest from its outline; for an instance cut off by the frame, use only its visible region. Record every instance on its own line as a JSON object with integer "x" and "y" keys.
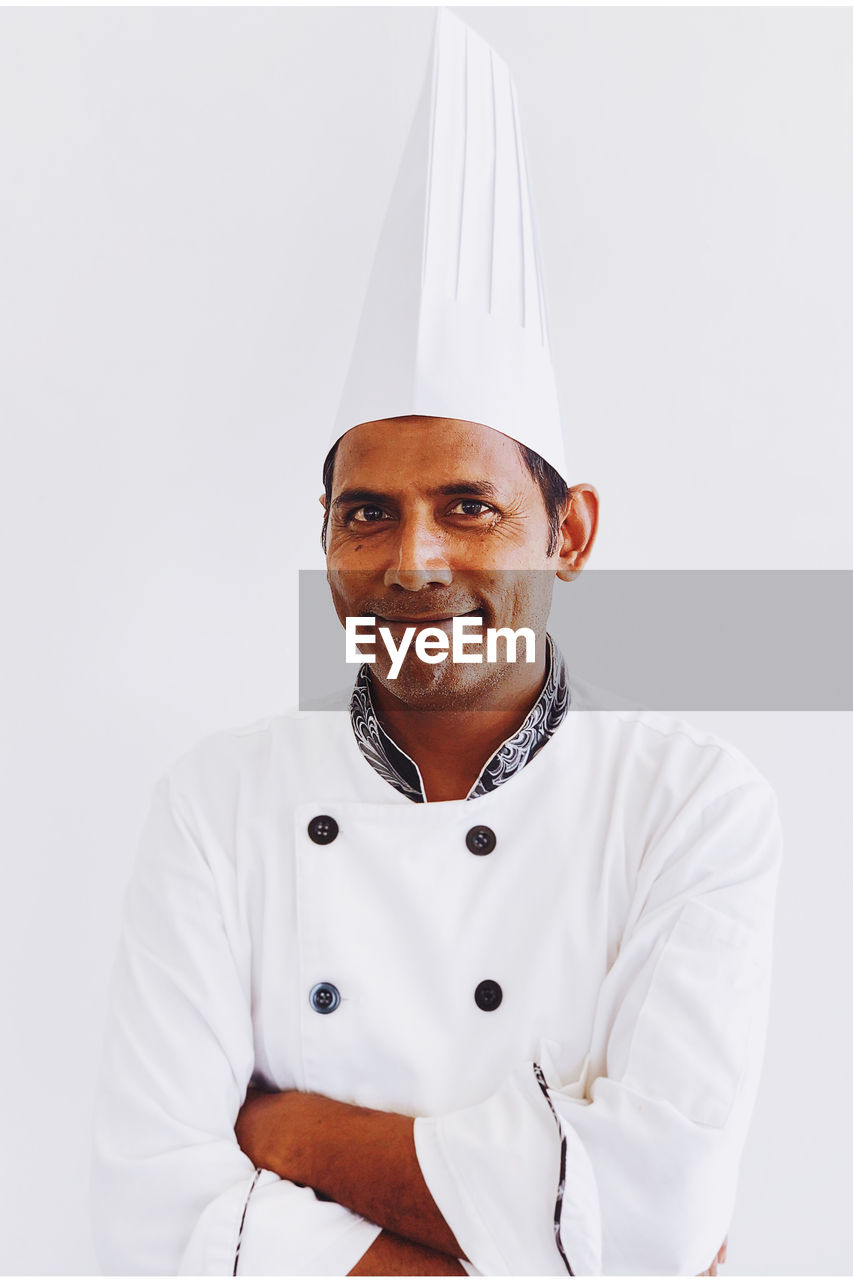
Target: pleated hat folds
{"x": 454, "y": 323}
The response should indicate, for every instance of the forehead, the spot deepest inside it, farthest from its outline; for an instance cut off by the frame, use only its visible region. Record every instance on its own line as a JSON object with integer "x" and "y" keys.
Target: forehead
{"x": 420, "y": 452}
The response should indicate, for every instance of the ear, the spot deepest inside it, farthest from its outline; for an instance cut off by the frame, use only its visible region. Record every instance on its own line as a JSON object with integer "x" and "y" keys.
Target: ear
{"x": 577, "y": 531}
{"x": 323, "y": 501}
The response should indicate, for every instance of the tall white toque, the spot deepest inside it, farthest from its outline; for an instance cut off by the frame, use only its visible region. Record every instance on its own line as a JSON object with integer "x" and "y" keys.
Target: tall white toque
{"x": 454, "y": 323}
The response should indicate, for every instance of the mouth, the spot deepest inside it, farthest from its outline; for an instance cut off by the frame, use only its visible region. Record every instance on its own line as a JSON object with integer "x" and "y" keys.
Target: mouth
{"x": 426, "y": 620}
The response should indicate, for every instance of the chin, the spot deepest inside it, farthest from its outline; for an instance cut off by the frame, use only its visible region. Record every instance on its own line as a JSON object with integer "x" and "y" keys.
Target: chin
{"x": 445, "y": 687}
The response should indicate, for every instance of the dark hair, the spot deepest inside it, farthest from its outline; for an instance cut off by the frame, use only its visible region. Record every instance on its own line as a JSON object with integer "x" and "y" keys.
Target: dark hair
{"x": 555, "y": 492}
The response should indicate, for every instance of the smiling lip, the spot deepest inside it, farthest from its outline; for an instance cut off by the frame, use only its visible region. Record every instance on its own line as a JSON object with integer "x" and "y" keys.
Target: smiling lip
{"x": 422, "y": 619}
{"x": 444, "y": 617}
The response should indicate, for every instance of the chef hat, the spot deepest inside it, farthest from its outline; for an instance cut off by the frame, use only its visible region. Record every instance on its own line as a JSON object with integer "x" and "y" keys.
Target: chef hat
{"x": 454, "y": 322}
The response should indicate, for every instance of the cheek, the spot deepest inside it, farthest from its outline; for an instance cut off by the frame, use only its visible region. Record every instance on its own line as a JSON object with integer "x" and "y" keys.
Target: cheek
{"x": 357, "y": 550}
{"x": 514, "y": 547}
{"x": 342, "y": 607}
{"x": 528, "y": 597}
{"x": 345, "y": 589}
{"x": 347, "y": 583}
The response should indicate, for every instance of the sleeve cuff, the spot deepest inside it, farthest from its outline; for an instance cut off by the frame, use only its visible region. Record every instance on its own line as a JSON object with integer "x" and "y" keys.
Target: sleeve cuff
{"x": 495, "y": 1173}
{"x": 282, "y": 1229}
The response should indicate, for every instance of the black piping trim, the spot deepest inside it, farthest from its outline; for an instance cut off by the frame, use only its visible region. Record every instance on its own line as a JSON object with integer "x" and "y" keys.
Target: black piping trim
{"x": 243, "y": 1219}
{"x": 558, "y": 1207}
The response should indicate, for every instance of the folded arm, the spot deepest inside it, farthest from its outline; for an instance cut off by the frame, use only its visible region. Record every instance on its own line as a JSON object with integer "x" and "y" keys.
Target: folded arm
{"x": 366, "y": 1160}
{"x": 632, "y": 1173}
{"x": 360, "y": 1158}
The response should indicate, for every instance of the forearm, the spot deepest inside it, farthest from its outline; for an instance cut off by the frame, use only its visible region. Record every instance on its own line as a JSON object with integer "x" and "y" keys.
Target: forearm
{"x": 391, "y": 1255}
{"x": 364, "y": 1160}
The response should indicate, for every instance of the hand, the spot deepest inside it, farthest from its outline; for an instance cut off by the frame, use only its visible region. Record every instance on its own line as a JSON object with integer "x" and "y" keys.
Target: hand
{"x": 259, "y": 1128}
{"x": 722, "y": 1254}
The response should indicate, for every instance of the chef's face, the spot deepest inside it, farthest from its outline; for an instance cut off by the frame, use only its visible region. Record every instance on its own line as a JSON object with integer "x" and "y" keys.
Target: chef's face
{"x": 432, "y": 518}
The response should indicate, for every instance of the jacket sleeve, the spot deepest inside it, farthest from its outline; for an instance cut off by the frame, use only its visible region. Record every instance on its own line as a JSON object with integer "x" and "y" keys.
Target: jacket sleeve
{"x": 172, "y": 1193}
{"x": 631, "y": 1170}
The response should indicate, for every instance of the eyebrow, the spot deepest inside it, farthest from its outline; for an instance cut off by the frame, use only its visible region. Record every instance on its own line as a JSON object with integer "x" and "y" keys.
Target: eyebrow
{"x": 468, "y": 488}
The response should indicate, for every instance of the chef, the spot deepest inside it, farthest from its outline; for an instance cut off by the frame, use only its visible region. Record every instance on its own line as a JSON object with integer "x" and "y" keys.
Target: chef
{"x": 472, "y": 977}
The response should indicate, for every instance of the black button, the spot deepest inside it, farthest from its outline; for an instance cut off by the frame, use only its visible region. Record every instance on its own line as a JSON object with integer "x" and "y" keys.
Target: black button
{"x": 325, "y": 997}
{"x": 488, "y": 995}
{"x": 481, "y": 840}
{"x": 322, "y": 829}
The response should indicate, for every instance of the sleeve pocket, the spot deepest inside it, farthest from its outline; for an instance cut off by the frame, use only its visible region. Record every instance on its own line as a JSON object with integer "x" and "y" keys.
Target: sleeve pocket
{"x": 691, "y": 1037}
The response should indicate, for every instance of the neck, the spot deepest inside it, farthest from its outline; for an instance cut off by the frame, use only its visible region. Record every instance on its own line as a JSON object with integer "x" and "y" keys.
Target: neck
{"x": 450, "y": 748}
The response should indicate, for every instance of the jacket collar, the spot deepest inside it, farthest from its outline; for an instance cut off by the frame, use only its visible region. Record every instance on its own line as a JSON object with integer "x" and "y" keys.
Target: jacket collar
{"x": 391, "y": 762}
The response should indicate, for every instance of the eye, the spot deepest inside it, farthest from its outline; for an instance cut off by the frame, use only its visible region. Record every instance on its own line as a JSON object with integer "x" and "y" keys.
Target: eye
{"x": 366, "y": 514}
{"x": 472, "y": 507}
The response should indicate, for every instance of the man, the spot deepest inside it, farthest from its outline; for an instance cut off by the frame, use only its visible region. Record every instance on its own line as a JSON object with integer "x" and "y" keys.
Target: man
{"x": 470, "y": 978}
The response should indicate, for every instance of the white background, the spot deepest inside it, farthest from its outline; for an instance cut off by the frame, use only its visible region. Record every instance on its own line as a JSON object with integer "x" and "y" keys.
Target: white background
{"x": 189, "y": 201}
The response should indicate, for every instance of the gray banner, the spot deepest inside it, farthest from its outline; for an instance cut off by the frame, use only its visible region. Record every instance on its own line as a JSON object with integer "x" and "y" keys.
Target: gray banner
{"x": 668, "y": 640}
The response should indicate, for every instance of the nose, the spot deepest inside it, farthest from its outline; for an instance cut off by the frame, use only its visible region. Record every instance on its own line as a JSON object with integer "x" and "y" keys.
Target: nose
{"x": 421, "y": 557}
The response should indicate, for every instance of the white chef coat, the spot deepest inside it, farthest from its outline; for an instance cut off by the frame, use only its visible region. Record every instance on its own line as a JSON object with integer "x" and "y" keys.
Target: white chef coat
{"x": 593, "y": 1120}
